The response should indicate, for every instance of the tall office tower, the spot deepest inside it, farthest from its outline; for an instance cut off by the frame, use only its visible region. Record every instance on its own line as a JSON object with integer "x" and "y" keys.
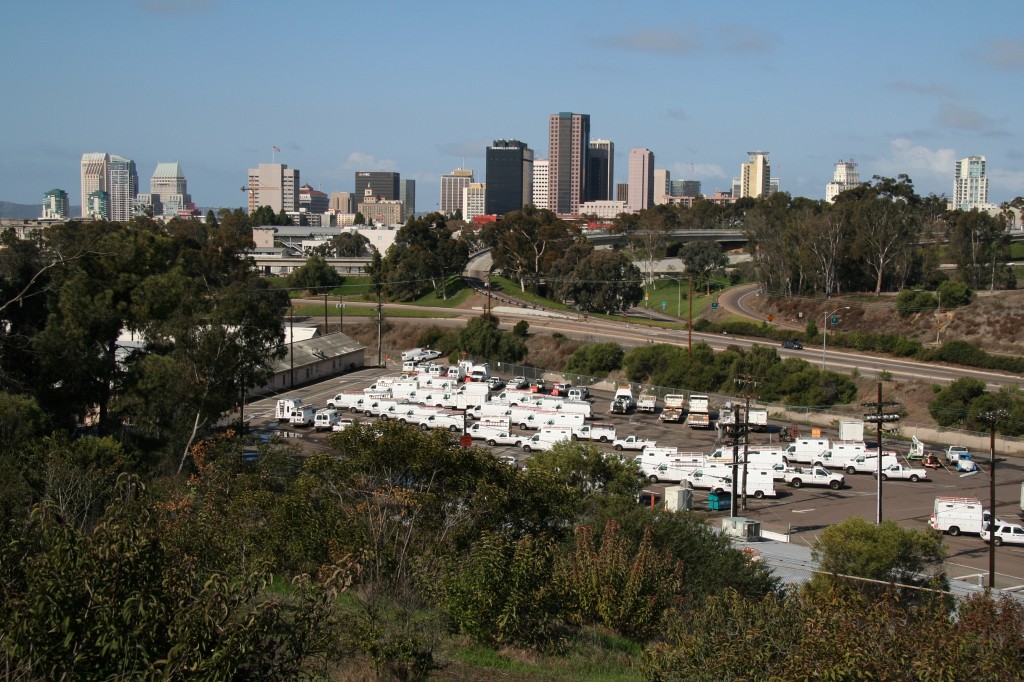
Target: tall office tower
{"x": 622, "y": 191}
{"x": 384, "y": 183}
{"x": 274, "y": 185}
{"x": 407, "y": 195}
{"x": 568, "y": 151}
{"x": 970, "y": 185}
{"x": 452, "y": 185}
{"x": 755, "y": 176}
{"x": 341, "y": 202}
{"x": 662, "y": 185}
{"x": 685, "y": 188}
{"x": 509, "y": 177}
{"x": 94, "y": 178}
{"x": 601, "y": 170}
{"x": 97, "y": 205}
{"x": 312, "y": 200}
{"x": 845, "y": 177}
{"x": 641, "y": 179}
{"x": 474, "y": 199}
{"x": 122, "y": 185}
{"x": 168, "y": 192}
{"x": 55, "y": 205}
{"x": 540, "y": 183}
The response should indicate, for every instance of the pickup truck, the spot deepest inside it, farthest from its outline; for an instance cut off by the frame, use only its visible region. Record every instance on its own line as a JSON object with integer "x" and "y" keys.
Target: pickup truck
{"x": 504, "y": 438}
{"x": 954, "y": 452}
{"x": 820, "y": 476}
{"x": 899, "y": 471}
{"x": 647, "y": 403}
{"x": 633, "y": 443}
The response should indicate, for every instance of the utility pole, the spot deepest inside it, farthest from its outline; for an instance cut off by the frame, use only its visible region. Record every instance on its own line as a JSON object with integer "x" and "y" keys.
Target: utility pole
{"x": 380, "y": 326}
{"x": 992, "y": 418}
{"x": 291, "y": 339}
{"x": 736, "y": 431}
{"x": 879, "y": 417}
{"x": 325, "y": 314}
{"x": 689, "y": 327}
{"x": 747, "y": 382}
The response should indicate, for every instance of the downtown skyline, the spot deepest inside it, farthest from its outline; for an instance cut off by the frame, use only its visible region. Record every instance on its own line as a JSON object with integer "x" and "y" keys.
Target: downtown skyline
{"x": 810, "y": 85}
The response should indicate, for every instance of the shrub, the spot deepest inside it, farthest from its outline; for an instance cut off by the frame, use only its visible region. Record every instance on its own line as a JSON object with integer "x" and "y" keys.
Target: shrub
{"x": 954, "y": 294}
{"x": 521, "y": 329}
{"x": 596, "y": 359}
{"x": 910, "y": 301}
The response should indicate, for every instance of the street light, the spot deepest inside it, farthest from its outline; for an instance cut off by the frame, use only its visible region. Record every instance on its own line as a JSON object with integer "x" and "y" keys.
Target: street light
{"x": 824, "y": 333}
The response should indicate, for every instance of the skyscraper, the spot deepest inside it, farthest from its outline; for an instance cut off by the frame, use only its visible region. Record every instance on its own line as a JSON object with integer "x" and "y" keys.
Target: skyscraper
{"x": 122, "y": 185}
{"x": 55, "y": 205}
{"x": 685, "y": 188}
{"x": 407, "y": 195}
{"x": 601, "y": 171}
{"x": 540, "y": 183}
{"x": 384, "y": 183}
{"x": 452, "y": 185}
{"x": 274, "y": 185}
{"x": 970, "y": 184}
{"x": 474, "y": 198}
{"x": 509, "y": 177}
{"x": 755, "y": 176}
{"x": 95, "y": 177}
{"x": 662, "y": 185}
{"x": 568, "y": 152}
{"x": 168, "y": 192}
{"x": 641, "y": 179}
{"x": 845, "y": 177}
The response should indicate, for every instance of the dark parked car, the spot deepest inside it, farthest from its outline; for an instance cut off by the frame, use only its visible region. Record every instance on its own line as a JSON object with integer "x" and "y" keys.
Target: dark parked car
{"x": 792, "y": 344}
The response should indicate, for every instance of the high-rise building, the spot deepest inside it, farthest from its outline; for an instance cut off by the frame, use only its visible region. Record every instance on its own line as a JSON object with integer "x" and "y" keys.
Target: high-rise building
{"x": 662, "y": 185}
{"x": 341, "y": 202}
{"x": 755, "y": 176}
{"x": 474, "y": 200}
{"x": 540, "y": 183}
{"x": 684, "y": 188}
{"x": 641, "y": 179}
{"x": 168, "y": 192}
{"x": 622, "y": 191}
{"x": 312, "y": 200}
{"x": 509, "y": 177}
{"x": 970, "y": 184}
{"x": 274, "y": 185}
{"x": 452, "y": 185}
{"x": 601, "y": 170}
{"x": 95, "y": 177}
{"x": 97, "y": 205}
{"x": 568, "y": 152}
{"x": 55, "y": 205}
{"x": 122, "y": 185}
{"x": 845, "y": 177}
{"x": 407, "y": 195}
{"x": 384, "y": 183}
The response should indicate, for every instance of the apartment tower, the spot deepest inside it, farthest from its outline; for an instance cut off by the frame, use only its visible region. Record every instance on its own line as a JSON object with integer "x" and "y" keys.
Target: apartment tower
{"x": 568, "y": 152}
{"x": 641, "y": 179}
{"x": 755, "y": 176}
{"x": 274, "y": 185}
{"x": 970, "y": 184}
{"x": 95, "y": 176}
{"x": 452, "y": 185}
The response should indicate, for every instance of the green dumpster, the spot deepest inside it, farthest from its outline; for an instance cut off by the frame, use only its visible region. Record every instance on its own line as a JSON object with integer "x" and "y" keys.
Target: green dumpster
{"x": 719, "y": 501}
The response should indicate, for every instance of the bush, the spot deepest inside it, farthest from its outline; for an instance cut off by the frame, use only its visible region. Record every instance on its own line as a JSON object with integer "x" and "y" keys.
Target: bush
{"x": 954, "y": 294}
{"x": 910, "y": 301}
{"x": 596, "y": 359}
{"x": 521, "y": 329}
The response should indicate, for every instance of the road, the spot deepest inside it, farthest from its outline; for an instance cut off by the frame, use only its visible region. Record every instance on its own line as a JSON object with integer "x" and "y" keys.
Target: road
{"x": 803, "y": 513}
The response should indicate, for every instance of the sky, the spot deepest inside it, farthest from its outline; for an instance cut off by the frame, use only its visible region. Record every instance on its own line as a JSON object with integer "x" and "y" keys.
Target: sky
{"x": 423, "y": 87}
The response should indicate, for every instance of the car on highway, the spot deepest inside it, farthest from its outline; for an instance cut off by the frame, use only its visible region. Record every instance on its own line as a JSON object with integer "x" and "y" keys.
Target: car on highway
{"x": 1006, "y": 533}
{"x": 792, "y": 344}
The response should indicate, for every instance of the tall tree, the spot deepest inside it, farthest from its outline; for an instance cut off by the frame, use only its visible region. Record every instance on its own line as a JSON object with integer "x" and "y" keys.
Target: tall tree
{"x": 604, "y": 282}
{"x": 703, "y": 260}
{"x": 526, "y": 243}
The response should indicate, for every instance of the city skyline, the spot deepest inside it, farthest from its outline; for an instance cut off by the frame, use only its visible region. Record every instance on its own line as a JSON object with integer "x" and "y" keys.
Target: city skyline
{"x": 915, "y": 94}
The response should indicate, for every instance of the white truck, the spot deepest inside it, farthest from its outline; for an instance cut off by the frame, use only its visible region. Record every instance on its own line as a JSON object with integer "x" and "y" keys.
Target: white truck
{"x": 475, "y": 393}
{"x": 955, "y": 452}
{"x": 764, "y": 458}
{"x": 345, "y": 400}
{"x": 488, "y": 411}
{"x": 714, "y": 479}
{"x": 807, "y": 451}
{"x": 302, "y": 415}
{"x": 495, "y": 438}
{"x": 955, "y": 515}
{"x": 516, "y": 396}
{"x": 538, "y": 442}
{"x": 647, "y": 402}
{"x": 574, "y": 407}
{"x": 904, "y": 473}
{"x": 604, "y": 433}
{"x": 443, "y": 420}
{"x": 633, "y": 443}
{"x": 868, "y": 463}
{"x": 757, "y": 419}
{"x": 851, "y": 430}
{"x": 717, "y": 479}
{"x": 662, "y": 472}
{"x": 815, "y": 475}
{"x": 285, "y": 406}
{"x": 325, "y": 419}
{"x": 480, "y": 373}
{"x": 543, "y": 418}
{"x": 381, "y": 408}
{"x": 494, "y": 423}
{"x": 698, "y": 415}
{"x": 675, "y": 405}
{"x": 623, "y": 402}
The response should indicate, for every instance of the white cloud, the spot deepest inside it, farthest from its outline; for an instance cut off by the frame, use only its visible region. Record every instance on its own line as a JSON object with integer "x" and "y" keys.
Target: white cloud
{"x": 696, "y": 171}
{"x": 965, "y": 118}
{"x": 918, "y": 162}
{"x": 360, "y": 161}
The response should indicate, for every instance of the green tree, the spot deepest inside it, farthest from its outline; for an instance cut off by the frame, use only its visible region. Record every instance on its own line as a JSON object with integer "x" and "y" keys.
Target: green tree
{"x": 482, "y": 338}
{"x": 584, "y": 470}
{"x": 345, "y": 245}
{"x": 596, "y": 359}
{"x": 954, "y": 294}
{"x": 951, "y": 405}
{"x": 980, "y": 244}
{"x": 526, "y": 243}
{"x": 359, "y": 219}
{"x": 703, "y": 260}
{"x": 604, "y": 282}
{"x": 317, "y": 276}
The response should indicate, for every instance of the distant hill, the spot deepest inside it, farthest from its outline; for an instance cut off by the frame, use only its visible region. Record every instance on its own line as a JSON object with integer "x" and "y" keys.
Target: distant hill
{"x": 12, "y": 211}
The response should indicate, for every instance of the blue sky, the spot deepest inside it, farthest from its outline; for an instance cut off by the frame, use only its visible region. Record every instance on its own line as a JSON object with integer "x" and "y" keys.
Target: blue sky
{"x": 900, "y": 87}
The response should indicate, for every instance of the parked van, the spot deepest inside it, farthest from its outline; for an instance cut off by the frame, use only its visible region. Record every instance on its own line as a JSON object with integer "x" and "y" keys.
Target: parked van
{"x": 807, "y": 451}
{"x": 480, "y": 372}
{"x": 303, "y": 415}
{"x": 285, "y": 407}
{"x": 456, "y": 372}
{"x": 955, "y": 515}
{"x": 325, "y": 419}
{"x": 486, "y": 410}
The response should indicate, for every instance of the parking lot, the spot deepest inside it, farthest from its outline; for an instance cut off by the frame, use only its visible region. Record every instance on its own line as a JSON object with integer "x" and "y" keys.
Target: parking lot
{"x": 801, "y": 512}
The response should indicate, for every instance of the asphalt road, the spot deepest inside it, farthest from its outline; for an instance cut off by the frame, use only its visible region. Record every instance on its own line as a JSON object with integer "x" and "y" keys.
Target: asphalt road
{"x": 802, "y": 512}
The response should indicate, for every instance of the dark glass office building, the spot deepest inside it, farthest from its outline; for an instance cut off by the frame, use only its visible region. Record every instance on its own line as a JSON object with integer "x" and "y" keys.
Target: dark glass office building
{"x": 509, "y": 177}
{"x": 384, "y": 184}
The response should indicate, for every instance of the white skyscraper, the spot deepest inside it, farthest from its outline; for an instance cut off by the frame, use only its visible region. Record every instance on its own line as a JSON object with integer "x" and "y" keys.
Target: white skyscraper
{"x": 641, "y": 179}
{"x": 845, "y": 177}
{"x": 452, "y": 185}
{"x": 95, "y": 177}
{"x": 970, "y": 185}
{"x": 474, "y": 197}
{"x": 123, "y": 185}
{"x": 540, "y": 183}
{"x": 662, "y": 185}
{"x": 755, "y": 176}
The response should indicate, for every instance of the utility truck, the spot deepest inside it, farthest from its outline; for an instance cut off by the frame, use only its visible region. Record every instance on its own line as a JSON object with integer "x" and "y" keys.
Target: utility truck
{"x": 597, "y": 431}
{"x": 325, "y": 419}
{"x": 623, "y": 402}
{"x": 815, "y": 475}
{"x": 867, "y": 463}
{"x": 302, "y": 415}
{"x": 662, "y": 472}
{"x": 633, "y": 443}
{"x": 807, "y": 451}
{"x": 673, "y": 410}
{"x": 955, "y": 515}
{"x": 698, "y": 416}
{"x": 903, "y": 473}
{"x": 647, "y": 402}
{"x": 285, "y": 407}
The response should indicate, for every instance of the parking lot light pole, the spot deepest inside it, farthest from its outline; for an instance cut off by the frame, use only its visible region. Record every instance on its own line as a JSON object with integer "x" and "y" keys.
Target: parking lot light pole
{"x": 824, "y": 333}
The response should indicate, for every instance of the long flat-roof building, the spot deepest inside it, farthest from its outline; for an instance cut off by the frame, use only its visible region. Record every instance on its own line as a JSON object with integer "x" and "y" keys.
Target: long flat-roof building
{"x": 568, "y": 152}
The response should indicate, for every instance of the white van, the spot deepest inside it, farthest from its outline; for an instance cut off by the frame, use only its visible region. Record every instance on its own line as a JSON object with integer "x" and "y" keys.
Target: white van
{"x": 456, "y": 372}
{"x": 955, "y": 515}
{"x": 480, "y": 372}
{"x": 807, "y": 451}
{"x": 325, "y": 419}
{"x": 303, "y": 415}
